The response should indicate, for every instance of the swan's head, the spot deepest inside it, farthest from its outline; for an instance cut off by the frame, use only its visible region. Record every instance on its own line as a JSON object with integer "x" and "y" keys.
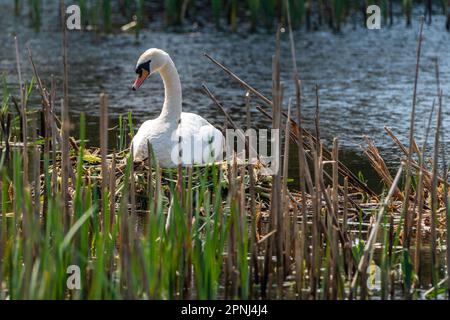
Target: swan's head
{"x": 151, "y": 61}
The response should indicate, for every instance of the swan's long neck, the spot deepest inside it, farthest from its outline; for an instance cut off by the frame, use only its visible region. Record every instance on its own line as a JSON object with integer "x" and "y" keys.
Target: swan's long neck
{"x": 171, "y": 110}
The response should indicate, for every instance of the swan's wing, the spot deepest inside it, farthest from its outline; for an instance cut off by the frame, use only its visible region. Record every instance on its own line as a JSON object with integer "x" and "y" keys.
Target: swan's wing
{"x": 150, "y": 131}
{"x": 193, "y": 120}
{"x": 201, "y": 141}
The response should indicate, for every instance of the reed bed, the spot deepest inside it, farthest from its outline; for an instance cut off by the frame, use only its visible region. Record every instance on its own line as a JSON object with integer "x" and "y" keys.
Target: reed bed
{"x": 138, "y": 231}
{"x": 233, "y": 15}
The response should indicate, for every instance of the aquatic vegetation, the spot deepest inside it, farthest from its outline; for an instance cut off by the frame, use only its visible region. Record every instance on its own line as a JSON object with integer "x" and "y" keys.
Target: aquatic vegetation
{"x": 232, "y": 14}
{"x": 268, "y": 12}
{"x": 107, "y": 22}
{"x": 338, "y": 10}
{"x": 139, "y": 231}
{"x": 17, "y": 7}
{"x": 139, "y": 16}
{"x": 35, "y": 13}
{"x": 216, "y": 9}
{"x": 84, "y": 11}
{"x": 173, "y": 11}
{"x": 254, "y": 10}
{"x": 297, "y": 12}
{"x": 407, "y": 9}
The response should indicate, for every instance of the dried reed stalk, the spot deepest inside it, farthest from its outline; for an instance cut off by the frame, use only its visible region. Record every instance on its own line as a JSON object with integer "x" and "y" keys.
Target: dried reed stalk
{"x": 276, "y": 203}
{"x": 112, "y": 190}
{"x": 301, "y": 243}
{"x": 285, "y": 197}
{"x": 434, "y": 197}
{"x": 342, "y": 168}
{"x": 23, "y": 114}
{"x": 368, "y": 248}
{"x": 103, "y": 155}
{"x": 407, "y": 191}
{"x": 420, "y": 198}
{"x": 65, "y": 126}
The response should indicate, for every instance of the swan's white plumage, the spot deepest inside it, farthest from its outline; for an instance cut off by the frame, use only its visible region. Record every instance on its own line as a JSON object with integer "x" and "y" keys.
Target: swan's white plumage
{"x": 200, "y": 142}
{"x": 163, "y": 136}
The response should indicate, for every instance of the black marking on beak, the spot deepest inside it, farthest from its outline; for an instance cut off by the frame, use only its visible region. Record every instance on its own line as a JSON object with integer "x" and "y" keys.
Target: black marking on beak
{"x": 143, "y": 66}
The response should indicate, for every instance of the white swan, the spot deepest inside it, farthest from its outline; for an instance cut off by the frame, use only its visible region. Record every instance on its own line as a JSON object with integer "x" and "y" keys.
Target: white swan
{"x": 199, "y": 141}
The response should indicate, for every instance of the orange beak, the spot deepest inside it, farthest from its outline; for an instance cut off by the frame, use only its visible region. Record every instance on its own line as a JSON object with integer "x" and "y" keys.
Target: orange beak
{"x": 140, "y": 80}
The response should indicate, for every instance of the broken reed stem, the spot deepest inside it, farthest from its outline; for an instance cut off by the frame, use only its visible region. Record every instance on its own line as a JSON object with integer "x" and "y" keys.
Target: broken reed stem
{"x": 47, "y": 144}
{"x": 436, "y": 71}
{"x": 434, "y": 198}
{"x": 248, "y": 115}
{"x": 317, "y": 115}
{"x": 411, "y": 142}
{"x": 23, "y": 116}
{"x": 54, "y": 134}
{"x": 26, "y": 215}
{"x": 103, "y": 155}
{"x": 347, "y": 252}
{"x": 342, "y": 168}
{"x": 46, "y": 125}
{"x": 407, "y": 216}
{"x": 445, "y": 174}
{"x": 301, "y": 239}
{"x": 307, "y": 155}
{"x": 112, "y": 190}
{"x": 368, "y": 248}
{"x": 285, "y": 196}
{"x": 229, "y": 120}
{"x": 65, "y": 126}
{"x": 419, "y": 225}
{"x": 447, "y": 218}
{"x": 254, "y": 270}
{"x": 47, "y": 100}
{"x": 65, "y": 162}
{"x": 132, "y": 197}
{"x": 36, "y": 172}
{"x": 315, "y": 246}
{"x": 188, "y": 244}
{"x": 335, "y": 201}
{"x": 235, "y": 77}
{"x": 276, "y": 199}
{"x": 219, "y": 105}
{"x": 420, "y": 198}
{"x": 403, "y": 148}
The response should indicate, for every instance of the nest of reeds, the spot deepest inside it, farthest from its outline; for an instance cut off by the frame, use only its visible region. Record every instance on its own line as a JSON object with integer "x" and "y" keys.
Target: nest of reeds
{"x": 427, "y": 192}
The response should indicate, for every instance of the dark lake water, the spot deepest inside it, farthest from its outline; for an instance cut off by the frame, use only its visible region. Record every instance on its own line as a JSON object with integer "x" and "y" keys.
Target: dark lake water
{"x": 365, "y": 77}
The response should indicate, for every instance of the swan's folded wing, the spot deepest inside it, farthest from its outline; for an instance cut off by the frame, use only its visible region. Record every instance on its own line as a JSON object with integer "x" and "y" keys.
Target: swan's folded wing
{"x": 202, "y": 142}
